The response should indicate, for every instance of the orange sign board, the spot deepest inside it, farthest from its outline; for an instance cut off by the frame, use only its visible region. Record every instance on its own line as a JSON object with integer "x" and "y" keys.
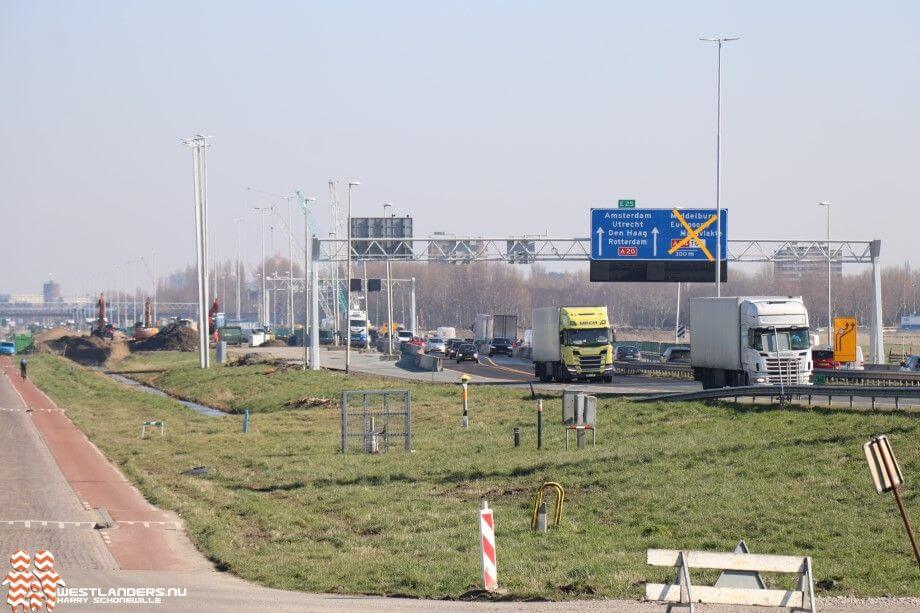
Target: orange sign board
{"x": 844, "y": 339}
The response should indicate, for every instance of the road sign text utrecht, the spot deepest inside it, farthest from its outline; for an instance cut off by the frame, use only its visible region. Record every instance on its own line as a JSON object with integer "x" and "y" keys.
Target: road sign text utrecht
{"x": 656, "y": 234}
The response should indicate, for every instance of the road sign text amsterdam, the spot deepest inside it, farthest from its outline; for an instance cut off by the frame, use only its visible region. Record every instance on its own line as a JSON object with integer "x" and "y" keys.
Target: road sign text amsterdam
{"x": 656, "y": 234}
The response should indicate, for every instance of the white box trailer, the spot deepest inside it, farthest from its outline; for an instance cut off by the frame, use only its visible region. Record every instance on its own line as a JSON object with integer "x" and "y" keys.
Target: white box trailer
{"x": 750, "y": 340}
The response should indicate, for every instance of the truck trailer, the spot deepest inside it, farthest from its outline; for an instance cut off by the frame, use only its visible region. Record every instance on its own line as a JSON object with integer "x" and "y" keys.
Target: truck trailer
{"x": 750, "y": 340}
{"x": 572, "y": 343}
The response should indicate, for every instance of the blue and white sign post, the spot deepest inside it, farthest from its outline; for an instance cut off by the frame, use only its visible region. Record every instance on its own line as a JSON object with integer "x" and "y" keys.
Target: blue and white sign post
{"x": 657, "y": 234}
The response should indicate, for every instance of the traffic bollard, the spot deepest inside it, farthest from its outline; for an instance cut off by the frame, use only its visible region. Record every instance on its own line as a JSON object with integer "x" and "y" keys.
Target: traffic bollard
{"x": 464, "y": 421}
{"x": 245, "y": 421}
{"x": 541, "y": 518}
{"x": 517, "y": 436}
{"x": 539, "y": 424}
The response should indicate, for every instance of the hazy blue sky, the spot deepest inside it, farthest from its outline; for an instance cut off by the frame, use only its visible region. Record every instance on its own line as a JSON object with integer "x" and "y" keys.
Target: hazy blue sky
{"x": 485, "y": 118}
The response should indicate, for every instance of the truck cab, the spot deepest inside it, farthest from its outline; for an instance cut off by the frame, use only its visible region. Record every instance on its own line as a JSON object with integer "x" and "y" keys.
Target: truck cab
{"x": 571, "y": 343}
{"x": 357, "y": 322}
{"x": 760, "y": 340}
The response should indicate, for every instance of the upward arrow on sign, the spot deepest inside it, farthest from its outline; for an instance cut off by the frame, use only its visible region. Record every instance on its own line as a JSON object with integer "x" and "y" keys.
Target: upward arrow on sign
{"x": 655, "y": 243}
{"x": 600, "y": 240}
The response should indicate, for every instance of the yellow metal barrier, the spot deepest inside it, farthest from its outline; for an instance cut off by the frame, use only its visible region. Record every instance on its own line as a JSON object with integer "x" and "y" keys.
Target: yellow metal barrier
{"x": 560, "y": 497}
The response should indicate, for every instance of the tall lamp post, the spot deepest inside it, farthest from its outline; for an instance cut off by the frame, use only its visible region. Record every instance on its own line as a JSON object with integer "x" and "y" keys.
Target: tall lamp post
{"x": 307, "y": 281}
{"x": 351, "y": 184}
{"x": 390, "y": 330}
{"x": 719, "y": 40}
{"x": 830, "y": 316}
{"x": 239, "y": 266}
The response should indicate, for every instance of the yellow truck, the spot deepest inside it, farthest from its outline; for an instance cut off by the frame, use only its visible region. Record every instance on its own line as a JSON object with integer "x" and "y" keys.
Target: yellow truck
{"x": 571, "y": 343}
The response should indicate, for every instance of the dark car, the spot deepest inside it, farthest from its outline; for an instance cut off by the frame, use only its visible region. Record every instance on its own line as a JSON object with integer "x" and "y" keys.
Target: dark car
{"x": 676, "y": 355}
{"x": 467, "y": 352}
{"x": 500, "y": 346}
{"x": 824, "y": 359}
{"x": 452, "y": 345}
{"x": 627, "y": 353}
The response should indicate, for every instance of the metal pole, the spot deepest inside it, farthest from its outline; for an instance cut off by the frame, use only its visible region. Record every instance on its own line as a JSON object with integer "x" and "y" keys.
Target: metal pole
{"x": 539, "y": 424}
{"x": 290, "y": 233}
{"x": 203, "y": 185}
{"x": 830, "y": 315}
{"x": 910, "y": 532}
{"x": 265, "y": 318}
{"x": 239, "y": 266}
{"x": 155, "y": 291}
{"x": 412, "y": 321}
{"x": 719, "y": 41}
{"x": 348, "y": 284}
{"x": 307, "y": 283}
{"x": 719, "y": 177}
{"x": 677, "y": 318}
{"x": 367, "y": 336}
{"x": 199, "y": 254}
{"x": 314, "y": 320}
{"x": 877, "y": 344}
{"x": 390, "y": 326}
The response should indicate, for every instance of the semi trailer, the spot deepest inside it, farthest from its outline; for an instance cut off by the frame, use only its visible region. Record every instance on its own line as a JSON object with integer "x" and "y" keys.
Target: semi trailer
{"x": 750, "y": 340}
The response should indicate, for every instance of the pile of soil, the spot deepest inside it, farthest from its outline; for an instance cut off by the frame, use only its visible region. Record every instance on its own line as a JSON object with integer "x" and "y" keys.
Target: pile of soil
{"x": 308, "y": 403}
{"x": 83, "y": 349}
{"x": 275, "y": 342}
{"x": 171, "y": 338}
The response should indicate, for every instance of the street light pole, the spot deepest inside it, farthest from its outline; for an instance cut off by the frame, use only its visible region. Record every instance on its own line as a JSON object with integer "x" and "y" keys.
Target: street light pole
{"x": 830, "y": 316}
{"x": 307, "y": 281}
{"x": 351, "y": 184}
{"x": 719, "y": 40}
{"x": 239, "y": 264}
{"x": 390, "y": 330}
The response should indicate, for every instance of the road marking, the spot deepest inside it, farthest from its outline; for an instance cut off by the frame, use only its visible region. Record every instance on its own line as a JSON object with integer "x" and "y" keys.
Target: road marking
{"x": 61, "y": 525}
{"x": 520, "y": 372}
{"x": 693, "y": 235}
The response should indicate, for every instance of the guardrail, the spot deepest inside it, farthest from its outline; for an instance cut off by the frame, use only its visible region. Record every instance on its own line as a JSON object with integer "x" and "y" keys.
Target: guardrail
{"x": 870, "y": 377}
{"x": 790, "y": 391}
{"x": 640, "y": 368}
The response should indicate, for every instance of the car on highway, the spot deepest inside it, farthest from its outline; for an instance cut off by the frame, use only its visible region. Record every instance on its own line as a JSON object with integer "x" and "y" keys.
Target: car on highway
{"x": 627, "y": 353}
{"x": 467, "y": 352}
{"x": 417, "y": 341}
{"x": 911, "y": 364}
{"x": 450, "y": 347}
{"x": 435, "y": 344}
{"x": 823, "y": 358}
{"x": 7, "y": 348}
{"x": 676, "y": 355}
{"x": 500, "y": 345}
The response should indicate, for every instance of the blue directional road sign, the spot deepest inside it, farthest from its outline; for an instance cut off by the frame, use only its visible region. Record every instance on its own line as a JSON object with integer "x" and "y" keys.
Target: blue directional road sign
{"x": 656, "y": 234}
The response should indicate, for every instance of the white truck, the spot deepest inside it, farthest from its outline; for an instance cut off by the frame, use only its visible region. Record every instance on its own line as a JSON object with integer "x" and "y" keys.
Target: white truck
{"x": 750, "y": 340}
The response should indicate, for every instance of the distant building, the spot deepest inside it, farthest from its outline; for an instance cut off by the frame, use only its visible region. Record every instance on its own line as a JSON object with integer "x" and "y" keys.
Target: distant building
{"x": 26, "y": 298}
{"x": 51, "y": 292}
{"x": 794, "y": 263}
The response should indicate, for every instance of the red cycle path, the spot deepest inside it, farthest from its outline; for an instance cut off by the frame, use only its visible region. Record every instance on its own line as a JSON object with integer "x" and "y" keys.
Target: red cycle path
{"x": 154, "y": 545}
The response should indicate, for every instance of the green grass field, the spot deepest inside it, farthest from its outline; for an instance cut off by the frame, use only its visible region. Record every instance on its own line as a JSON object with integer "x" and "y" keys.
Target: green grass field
{"x": 282, "y": 506}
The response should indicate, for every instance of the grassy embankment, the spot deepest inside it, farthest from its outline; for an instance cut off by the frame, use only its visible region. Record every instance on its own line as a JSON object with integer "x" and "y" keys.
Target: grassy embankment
{"x": 283, "y": 507}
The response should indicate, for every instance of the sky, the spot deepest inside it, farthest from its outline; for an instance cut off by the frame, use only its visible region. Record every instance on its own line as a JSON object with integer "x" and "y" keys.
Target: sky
{"x": 477, "y": 118}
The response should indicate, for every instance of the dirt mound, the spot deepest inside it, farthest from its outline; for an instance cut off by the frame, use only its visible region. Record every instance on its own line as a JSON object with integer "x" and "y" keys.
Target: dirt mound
{"x": 275, "y": 342}
{"x": 308, "y": 403}
{"x": 83, "y": 349}
{"x": 171, "y": 338}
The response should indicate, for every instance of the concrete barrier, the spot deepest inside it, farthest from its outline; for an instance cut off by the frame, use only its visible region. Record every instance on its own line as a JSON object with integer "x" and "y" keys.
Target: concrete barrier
{"x": 413, "y": 357}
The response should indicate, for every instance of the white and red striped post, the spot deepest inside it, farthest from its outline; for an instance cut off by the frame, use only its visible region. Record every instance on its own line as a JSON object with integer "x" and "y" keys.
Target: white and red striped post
{"x": 487, "y": 542}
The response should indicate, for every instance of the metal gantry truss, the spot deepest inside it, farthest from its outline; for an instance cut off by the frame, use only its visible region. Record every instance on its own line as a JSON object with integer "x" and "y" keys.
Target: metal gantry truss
{"x": 530, "y": 249}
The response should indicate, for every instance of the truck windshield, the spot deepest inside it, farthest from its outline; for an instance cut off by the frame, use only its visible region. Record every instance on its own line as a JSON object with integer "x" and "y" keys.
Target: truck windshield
{"x": 591, "y": 337}
{"x": 357, "y": 323}
{"x": 781, "y": 339}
